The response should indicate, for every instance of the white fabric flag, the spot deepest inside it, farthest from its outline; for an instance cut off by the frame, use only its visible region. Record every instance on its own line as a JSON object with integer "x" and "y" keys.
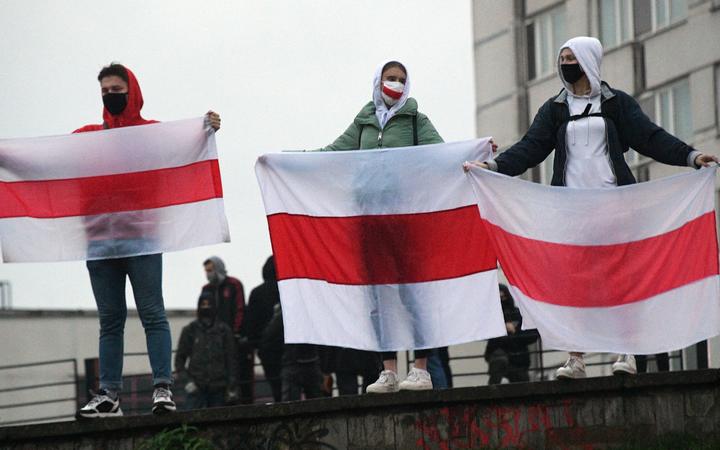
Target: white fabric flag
{"x": 112, "y": 193}
{"x": 381, "y": 249}
{"x": 633, "y": 269}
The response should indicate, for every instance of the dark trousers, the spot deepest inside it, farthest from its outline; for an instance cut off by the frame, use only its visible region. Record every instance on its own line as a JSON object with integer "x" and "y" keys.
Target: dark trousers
{"x": 298, "y": 379}
{"x": 205, "y": 398}
{"x": 661, "y": 359}
{"x": 246, "y": 376}
{"x": 500, "y": 367}
{"x": 272, "y": 375}
{"x": 347, "y": 382}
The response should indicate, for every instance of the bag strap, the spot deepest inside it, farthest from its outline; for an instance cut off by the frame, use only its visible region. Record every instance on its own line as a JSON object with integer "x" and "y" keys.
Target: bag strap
{"x": 415, "y": 131}
{"x": 585, "y": 113}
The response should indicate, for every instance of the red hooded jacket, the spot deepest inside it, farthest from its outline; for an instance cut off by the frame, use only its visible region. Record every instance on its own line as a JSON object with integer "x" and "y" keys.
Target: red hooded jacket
{"x": 129, "y": 117}
{"x": 126, "y": 224}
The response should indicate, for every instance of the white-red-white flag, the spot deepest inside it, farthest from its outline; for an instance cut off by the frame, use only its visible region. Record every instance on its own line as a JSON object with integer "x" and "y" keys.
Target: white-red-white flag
{"x": 632, "y": 269}
{"x": 112, "y": 193}
{"x": 381, "y": 249}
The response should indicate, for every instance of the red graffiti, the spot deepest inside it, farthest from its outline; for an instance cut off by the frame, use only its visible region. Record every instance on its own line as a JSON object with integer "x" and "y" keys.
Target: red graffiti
{"x": 472, "y": 427}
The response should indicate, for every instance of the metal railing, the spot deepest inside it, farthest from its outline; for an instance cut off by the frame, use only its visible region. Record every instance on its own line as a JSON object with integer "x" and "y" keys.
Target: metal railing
{"x": 6, "y": 406}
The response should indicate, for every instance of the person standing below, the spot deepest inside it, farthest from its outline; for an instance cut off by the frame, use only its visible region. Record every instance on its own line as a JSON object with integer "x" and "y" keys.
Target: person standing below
{"x": 590, "y": 125}
{"x": 508, "y": 356}
{"x": 301, "y": 371}
{"x": 229, "y": 296}
{"x": 209, "y": 344}
{"x": 350, "y": 364}
{"x": 261, "y": 306}
{"x": 122, "y": 100}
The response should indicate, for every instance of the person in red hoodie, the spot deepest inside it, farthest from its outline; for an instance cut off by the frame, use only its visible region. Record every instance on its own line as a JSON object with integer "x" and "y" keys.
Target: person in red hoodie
{"x": 123, "y": 100}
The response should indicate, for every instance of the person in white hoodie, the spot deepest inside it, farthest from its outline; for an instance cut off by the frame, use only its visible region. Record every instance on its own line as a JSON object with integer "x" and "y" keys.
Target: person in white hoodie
{"x": 590, "y": 126}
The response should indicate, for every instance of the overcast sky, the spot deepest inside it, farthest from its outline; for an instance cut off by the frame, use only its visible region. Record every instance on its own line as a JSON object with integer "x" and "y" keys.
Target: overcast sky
{"x": 283, "y": 74}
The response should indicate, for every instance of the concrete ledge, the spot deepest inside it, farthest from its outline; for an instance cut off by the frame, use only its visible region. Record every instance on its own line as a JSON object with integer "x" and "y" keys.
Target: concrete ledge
{"x": 592, "y": 409}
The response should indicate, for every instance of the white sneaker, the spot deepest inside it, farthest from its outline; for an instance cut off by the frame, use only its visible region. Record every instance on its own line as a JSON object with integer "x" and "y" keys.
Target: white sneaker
{"x": 574, "y": 368}
{"x": 417, "y": 380}
{"x": 102, "y": 404}
{"x": 625, "y": 364}
{"x": 387, "y": 382}
{"x": 162, "y": 401}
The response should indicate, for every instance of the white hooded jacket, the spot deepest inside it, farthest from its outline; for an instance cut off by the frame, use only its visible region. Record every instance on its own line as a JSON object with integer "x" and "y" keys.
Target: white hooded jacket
{"x": 382, "y": 112}
{"x": 588, "y": 163}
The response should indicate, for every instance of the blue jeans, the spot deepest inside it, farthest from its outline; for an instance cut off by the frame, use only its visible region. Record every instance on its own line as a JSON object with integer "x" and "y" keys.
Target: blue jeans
{"x": 107, "y": 277}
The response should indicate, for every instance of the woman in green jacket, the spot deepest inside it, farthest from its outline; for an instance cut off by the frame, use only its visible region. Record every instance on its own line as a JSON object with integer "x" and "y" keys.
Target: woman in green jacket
{"x": 391, "y": 119}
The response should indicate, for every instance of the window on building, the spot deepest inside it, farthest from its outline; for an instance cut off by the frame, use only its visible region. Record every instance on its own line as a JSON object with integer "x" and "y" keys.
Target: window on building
{"x": 545, "y": 35}
{"x": 651, "y": 15}
{"x": 615, "y": 22}
{"x": 670, "y": 108}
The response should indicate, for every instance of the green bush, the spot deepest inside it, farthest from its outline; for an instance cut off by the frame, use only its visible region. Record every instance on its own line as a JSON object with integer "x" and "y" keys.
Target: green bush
{"x": 179, "y": 438}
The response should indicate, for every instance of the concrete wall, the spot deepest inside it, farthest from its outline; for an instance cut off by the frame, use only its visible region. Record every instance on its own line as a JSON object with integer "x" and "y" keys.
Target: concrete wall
{"x": 583, "y": 414}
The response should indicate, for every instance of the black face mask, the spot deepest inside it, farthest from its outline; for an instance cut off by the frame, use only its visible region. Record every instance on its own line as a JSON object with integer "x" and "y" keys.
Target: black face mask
{"x": 115, "y": 103}
{"x": 571, "y": 72}
{"x": 206, "y": 313}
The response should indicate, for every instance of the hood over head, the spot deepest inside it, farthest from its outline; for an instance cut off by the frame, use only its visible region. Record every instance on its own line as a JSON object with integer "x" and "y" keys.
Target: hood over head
{"x": 268, "y": 270}
{"x": 589, "y": 53}
{"x": 131, "y": 114}
{"x": 220, "y": 270}
{"x": 208, "y": 313}
{"x": 382, "y": 112}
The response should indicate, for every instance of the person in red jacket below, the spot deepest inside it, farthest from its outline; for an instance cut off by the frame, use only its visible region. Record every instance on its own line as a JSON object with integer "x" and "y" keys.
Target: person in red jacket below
{"x": 123, "y": 100}
{"x": 228, "y": 296}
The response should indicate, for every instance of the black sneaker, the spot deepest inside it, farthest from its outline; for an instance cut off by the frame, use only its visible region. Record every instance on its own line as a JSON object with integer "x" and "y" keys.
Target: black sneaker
{"x": 101, "y": 405}
{"x": 162, "y": 400}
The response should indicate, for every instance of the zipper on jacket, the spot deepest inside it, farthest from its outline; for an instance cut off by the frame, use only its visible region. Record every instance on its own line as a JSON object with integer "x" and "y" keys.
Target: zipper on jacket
{"x": 380, "y": 134}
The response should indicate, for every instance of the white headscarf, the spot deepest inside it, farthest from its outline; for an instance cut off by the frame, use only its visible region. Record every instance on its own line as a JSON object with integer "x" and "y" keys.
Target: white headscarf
{"x": 589, "y": 53}
{"x": 382, "y": 112}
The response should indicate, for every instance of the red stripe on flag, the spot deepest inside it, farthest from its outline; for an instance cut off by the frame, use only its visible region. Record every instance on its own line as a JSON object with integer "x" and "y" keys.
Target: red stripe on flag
{"x": 381, "y": 249}
{"x": 111, "y": 193}
{"x": 609, "y": 275}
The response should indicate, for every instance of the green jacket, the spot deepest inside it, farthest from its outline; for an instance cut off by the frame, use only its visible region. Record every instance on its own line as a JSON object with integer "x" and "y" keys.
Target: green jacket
{"x": 364, "y": 132}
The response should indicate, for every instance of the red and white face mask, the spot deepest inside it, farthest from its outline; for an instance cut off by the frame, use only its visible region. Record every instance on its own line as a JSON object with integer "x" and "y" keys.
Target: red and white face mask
{"x": 392, "y": 91}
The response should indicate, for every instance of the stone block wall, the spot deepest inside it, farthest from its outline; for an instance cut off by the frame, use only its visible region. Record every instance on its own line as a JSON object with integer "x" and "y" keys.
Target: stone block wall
{"x": 594, "y": 413}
